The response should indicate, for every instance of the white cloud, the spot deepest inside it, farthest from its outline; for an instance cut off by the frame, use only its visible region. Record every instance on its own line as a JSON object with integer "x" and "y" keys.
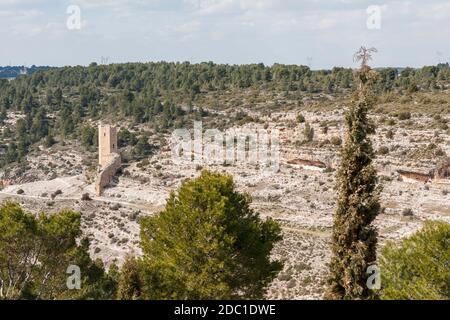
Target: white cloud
{"x": 25, "y": 14}
{"x": 230, "y": 30}
{"x": 5, "y": 3}
{"x": 230, "y": 6}
{"x": 184, "y": 32}
{"x": 441, "y": 11}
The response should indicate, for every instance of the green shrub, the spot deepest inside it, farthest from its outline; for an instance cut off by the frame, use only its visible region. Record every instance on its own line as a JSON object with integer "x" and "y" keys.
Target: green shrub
{"x": 418, "y": 268}
{"x": 391, "y": 122}
{"x": 336, "y": 141}
{"x": 407, "y": 212}
{"x": 85, "y": 197}
{"x": 300, "y": 118}
{"x": 52, "y": 243}
{"x": 390, "y": 134}
{"x": 383, "y": 150}
{"x": 404, "y": 115}
{"x": 56, "y": 193}
{"x": 308, "y": 132}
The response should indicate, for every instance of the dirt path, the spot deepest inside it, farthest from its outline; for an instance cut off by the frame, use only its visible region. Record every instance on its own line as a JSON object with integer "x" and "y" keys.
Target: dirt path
{"x": 142, "y": 206}
{"x": 316, "y": 233}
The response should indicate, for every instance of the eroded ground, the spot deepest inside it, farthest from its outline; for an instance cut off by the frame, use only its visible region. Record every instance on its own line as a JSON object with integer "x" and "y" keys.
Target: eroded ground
{"x": 302, "y": 200}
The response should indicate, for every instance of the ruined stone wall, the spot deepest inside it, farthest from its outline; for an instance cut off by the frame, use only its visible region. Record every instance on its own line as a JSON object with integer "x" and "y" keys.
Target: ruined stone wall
{"x": 107, "y": 173}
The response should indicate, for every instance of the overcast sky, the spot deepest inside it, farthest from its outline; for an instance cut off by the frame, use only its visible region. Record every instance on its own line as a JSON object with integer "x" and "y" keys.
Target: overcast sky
{"x": 321, "y": 33}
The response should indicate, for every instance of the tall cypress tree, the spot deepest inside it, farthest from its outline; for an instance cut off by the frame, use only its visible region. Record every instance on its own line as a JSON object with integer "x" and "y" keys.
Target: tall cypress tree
{"x": 130, "y": 280}
{"x": 354, "y": 237}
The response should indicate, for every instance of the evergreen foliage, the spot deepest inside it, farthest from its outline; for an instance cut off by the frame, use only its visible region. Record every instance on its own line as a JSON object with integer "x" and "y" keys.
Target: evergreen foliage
{"x": 130, "y": 281}
{"x": 419, "y": 267}
{"x": 157, "y": 93}
{"x": 354, "y": 237}
{"x": 35, "y": 253}
{"x": 208, "y": 244}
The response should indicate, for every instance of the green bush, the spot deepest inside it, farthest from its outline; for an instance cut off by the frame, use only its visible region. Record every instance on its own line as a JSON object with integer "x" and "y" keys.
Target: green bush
{"x": 383, "y": 150}
{"x": 419, "y": 267}
{"x": 208, "y": 244}
{"x": 300, "y": 118}
{"x": 85, "y": 197}
{"x": 336, "y": 141}
{"x": 404, "y": 115}
{"x": 390, "y": 134}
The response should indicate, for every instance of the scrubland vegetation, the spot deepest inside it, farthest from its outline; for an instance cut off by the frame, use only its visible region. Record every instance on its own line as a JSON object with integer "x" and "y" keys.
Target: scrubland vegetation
{"x": 208, "y": 240}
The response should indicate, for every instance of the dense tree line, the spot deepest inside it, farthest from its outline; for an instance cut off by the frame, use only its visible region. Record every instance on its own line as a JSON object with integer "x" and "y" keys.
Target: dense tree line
{"x": 56, "y": 101}
{"x": 157, "y": 79}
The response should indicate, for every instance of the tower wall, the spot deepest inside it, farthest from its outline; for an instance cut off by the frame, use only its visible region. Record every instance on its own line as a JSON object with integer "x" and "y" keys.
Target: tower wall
{"x": 107, "y": 143}
{"x": 108, "y": 157}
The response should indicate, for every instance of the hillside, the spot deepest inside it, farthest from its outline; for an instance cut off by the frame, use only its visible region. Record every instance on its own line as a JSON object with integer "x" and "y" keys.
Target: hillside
{"x": 49, "y": 139}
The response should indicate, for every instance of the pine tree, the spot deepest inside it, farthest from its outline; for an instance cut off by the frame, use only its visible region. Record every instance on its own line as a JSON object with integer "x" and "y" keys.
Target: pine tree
{"x": 354, "y": 237}
{"x": 35, "y": 252}
{"x": 208, "y": 244}
{"x": 142, "y": 147}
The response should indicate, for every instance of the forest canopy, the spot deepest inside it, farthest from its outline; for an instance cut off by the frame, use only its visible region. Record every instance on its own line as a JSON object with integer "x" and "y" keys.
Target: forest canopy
{"x": 54, "y": 102}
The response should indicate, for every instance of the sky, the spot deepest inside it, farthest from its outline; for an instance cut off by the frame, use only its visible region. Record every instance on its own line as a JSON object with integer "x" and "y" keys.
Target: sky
{"x": 318, "y": 33}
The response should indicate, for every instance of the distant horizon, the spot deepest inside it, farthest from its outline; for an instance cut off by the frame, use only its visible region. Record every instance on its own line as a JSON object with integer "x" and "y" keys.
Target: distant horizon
{"x": 217, "y": 63}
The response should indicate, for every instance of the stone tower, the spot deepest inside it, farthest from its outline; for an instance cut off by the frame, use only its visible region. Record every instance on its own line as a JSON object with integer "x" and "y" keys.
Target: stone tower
{"x": 108, "y": 157}
{"x": 107, "y": 144}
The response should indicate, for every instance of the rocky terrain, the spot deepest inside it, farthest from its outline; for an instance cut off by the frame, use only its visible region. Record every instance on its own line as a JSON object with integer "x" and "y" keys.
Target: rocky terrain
{"x": 302, "y": 200}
